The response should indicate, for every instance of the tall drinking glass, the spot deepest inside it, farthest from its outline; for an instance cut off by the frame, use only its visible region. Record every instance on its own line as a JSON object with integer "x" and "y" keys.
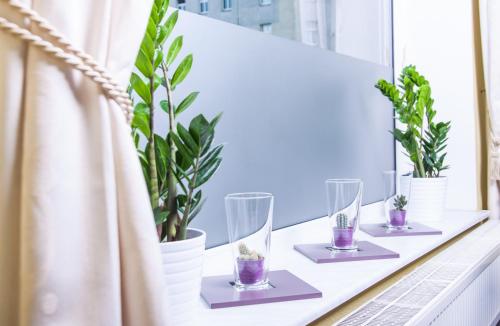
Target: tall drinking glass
{"x": 396, "y": 198}
{"x": 344, "y": 202}
{"x": 249, "y": 225}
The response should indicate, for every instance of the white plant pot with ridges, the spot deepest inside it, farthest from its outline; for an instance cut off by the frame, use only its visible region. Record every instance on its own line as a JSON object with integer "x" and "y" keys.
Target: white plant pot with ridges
{"x": 182, "y": 269}
{"x": 427, "y": 198}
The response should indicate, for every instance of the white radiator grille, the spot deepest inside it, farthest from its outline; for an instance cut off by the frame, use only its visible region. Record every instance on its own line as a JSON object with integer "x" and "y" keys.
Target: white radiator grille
{"x": 483, "y": 291}
{"x": 406, "y": 301}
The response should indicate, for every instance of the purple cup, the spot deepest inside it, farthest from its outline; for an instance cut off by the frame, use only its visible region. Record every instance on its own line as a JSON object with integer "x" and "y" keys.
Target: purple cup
{"x": 397, "y": 217}
{"x": 342, "y": 238}
{"x": 251, "y": 271}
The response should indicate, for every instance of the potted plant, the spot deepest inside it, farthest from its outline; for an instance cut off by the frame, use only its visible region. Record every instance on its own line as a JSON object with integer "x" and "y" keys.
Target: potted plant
{"x": 423, "y": 140}
{"x": 175, "y": 164}
{"x": 342, "y": 232}
{"x": 250, "y": 265}
{"x": 397, "y": 215}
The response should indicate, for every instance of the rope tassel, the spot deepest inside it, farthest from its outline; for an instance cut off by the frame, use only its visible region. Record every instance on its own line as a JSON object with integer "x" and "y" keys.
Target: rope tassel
{"x": 68, "y": 53}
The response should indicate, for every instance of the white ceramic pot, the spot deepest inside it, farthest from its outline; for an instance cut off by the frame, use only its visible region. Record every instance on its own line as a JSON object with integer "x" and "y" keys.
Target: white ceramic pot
{"x": 427, "y": 198}
{"x": 182, "y": 268}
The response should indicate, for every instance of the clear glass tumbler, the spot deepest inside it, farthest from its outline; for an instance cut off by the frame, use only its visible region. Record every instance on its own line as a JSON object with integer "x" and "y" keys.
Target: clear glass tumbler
{"x": 249, "y": 225}
{"x": 396, "y": 198}
{"x": 344, "y": 202}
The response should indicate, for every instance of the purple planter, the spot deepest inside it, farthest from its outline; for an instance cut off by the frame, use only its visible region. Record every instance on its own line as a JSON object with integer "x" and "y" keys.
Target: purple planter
{"x": 342, "y": 238}
{"x": 251, "y": 271}
{"x": 397, "y": 217}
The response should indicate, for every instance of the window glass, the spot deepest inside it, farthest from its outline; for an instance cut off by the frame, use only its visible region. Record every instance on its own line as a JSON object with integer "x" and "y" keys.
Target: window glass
{"x": 181, "y": 4}
{"x": 357, "y": 28}
{"x": 227, "y": 4}
{"x": 203, "y": 6}
{"x": 266, "y": 28}
{"x": 293, "y": 115}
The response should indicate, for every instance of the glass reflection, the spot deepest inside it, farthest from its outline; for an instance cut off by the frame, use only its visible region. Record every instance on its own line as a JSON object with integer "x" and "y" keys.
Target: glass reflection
{"x": 358, "y": 28}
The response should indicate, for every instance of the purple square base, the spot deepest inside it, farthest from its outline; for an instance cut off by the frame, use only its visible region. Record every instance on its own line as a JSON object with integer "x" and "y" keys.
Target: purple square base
{"x": 323, "y": 253}
{"x": 381, "y": 230}
{"x": 219, "y": 293}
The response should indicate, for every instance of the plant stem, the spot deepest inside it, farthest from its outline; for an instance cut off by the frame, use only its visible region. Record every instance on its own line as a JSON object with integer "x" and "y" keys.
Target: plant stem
{"x": 189, "y": 201}
{"x": 173, "y": 216}
{"x": 420, "y": 161}
{"x": 151, "y": 152}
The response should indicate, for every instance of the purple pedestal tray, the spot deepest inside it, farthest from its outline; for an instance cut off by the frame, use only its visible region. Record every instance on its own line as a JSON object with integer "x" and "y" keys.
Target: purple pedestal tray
{"x": 219, "y": 292}
{"x": 381, "y": 230}
{"x": 323, "y": 253}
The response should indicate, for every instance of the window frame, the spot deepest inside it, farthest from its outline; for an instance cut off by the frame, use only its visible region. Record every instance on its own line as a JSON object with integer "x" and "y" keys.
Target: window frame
{"x": 229, "y": 7}
{"x": 204, "y": 7}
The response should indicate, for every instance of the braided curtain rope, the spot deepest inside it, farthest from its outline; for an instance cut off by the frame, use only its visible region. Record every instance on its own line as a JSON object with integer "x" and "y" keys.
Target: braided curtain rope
{"x": 71, "y": 55}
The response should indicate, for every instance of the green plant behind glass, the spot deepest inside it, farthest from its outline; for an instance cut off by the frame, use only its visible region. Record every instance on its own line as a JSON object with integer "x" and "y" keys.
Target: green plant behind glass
{"x": 177, "y": 164}
{"x": 423, "y": 140}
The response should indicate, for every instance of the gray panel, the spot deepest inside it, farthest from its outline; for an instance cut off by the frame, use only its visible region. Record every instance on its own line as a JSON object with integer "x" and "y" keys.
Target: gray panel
{"x": 293, "y": 116}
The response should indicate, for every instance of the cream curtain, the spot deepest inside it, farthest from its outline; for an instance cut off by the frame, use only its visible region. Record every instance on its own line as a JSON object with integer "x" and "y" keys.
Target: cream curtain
{"x": 77, "y": 239}
{"x": 490, "y": 37}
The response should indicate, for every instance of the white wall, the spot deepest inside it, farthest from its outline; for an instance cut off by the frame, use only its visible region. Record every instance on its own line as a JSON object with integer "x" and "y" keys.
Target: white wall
{"x": 437, "y": 37}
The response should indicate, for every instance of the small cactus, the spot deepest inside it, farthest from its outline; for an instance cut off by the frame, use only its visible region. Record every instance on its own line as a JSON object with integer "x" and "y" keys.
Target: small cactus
{"x": 400, "y": 202}
{"x": 247, "y": 254}
{"x": 243, "y": 249}
{"x": 342, "y": 221}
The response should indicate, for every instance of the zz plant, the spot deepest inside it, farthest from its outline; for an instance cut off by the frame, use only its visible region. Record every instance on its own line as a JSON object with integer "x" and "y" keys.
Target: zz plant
{"x": 423, "y": 140}
{"x": 175, "y": 165}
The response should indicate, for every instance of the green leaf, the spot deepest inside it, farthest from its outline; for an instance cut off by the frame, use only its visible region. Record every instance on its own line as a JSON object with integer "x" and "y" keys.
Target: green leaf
{"x": 158, "y": 3}
{"x": 208, "y": 164}
{"x": 211, "y": 156}
{"x": 148, "y": 47}
{"x": 174, "y": 49}
{"x": 140, "y": 88}
{"x": 167, "y": 28}
{"x": 162, "y": 154}
{"x": 151, "y": 29}
{"x": 181, "y": 200}
{"x": 154, "y": 14}
{"x": 215, "y": 120}
{"x": 143, "y": 64}
{"x": 141, "y": 122}
{"x": 164, "y": 105}
{"x": 186, "y": 102}
{"x": 162, "y": 8}
{"x": 182, "y": 148}
{"x": 141, "y": 107}
{"x": 158, "y": 59}
{"x": 160, "y": 216}
{"x": 207, "y": 143}
{"x": 197, "y": 198}
{"x": 137, "y": 138}
{"x": 182, "y": 71}
{"x": 163, "y": 147}
{"x": 199, "y": 128}
{"x": 205, "y": 175}
{"x": 183, "y": 162}
{"x": 196, "y": 210}
{"x": 188, "y": 140}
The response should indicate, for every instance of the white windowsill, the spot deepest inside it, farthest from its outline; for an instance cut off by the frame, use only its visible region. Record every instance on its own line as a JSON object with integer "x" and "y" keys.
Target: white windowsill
{"x": 339, "y": 282}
